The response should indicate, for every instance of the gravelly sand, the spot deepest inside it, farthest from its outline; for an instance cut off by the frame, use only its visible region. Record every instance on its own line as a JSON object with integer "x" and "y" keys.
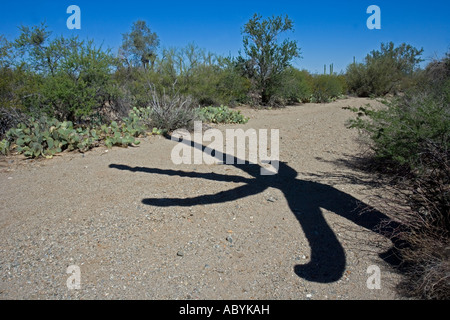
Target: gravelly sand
{"x": 141, "y": 227}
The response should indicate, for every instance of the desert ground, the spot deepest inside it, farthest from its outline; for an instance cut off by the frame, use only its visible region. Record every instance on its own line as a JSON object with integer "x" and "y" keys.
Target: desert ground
{"x": 139, "y": 226}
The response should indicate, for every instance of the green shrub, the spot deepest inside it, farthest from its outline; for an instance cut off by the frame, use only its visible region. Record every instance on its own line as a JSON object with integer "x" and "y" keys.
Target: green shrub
{"x": 294, "y": 86}
{"x": 343, "y": 81}
{"x": 232, "y": 87}
{"x": 400, "y": 131}
{"x": 411, "y": 142}
{"x": 222, "y": 114}
{"x": 217, "y": 84}
{"x": 325, "y": 88}
{"x": 383, "y": 72}
{"x": 209, "y": 79}
{"x": 83, "y": 85}
{"x": 60, "y": 77}
{"x": 202, "y": 83}
{"x": 136, "y": 84}
{"x": 410, "y": 138}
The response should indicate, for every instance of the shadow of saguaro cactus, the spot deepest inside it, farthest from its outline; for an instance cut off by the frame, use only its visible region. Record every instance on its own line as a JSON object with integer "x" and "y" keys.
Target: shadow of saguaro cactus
{"x": 305, "y": 199}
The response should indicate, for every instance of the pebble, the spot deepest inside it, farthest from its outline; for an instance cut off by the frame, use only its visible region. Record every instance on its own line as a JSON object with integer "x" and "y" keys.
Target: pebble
{"x": 229, "y": 239}
{"x": 180, "y": 253}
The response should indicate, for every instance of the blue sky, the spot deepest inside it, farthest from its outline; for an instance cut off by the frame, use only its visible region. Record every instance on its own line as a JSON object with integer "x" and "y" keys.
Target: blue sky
{"x": 327, "y": 31}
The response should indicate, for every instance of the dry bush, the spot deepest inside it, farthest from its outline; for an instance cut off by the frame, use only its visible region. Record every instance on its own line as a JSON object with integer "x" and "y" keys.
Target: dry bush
{"x": 421, "y": 204}
{"x": 428, "y": 274}
{"x": 171, "y": 111}
{"x": 10, "y": 118}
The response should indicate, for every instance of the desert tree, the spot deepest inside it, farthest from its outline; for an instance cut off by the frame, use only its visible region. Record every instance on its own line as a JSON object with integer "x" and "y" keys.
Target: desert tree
{"x": 139, "y": 46}
{"x": 266, "y": 57}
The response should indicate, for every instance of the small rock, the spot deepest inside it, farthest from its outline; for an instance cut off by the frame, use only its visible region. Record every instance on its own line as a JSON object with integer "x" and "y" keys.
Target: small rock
{"x": 180, "y": 253}
{"x": 272, "y": 199}
{"x": 229, "y": 239}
